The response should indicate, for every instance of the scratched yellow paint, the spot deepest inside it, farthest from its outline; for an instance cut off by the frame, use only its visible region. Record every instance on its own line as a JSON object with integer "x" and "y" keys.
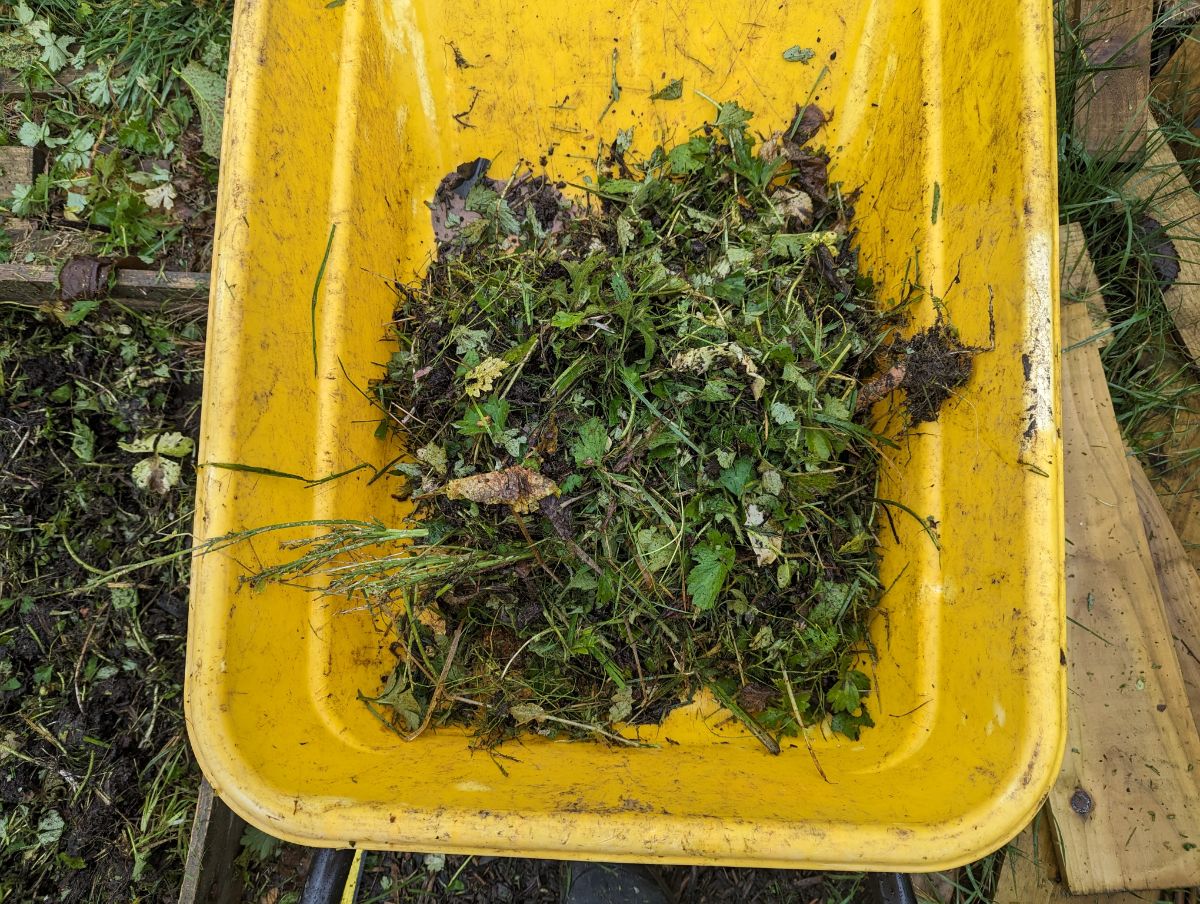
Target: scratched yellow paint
{"x": 941, "y": 117}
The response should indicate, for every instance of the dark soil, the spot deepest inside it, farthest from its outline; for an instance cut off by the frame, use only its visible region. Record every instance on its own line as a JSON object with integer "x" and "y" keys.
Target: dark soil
{"x": 96, "y": 804}
{"x": 936, "y": 365}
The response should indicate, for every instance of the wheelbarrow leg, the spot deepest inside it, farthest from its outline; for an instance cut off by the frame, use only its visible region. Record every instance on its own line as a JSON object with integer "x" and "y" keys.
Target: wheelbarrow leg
{"x": 327, "y": 876}
{"x": 890, "y": 888}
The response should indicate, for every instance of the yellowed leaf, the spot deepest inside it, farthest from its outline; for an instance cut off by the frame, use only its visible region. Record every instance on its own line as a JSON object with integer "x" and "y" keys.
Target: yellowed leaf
{"x": 482, "y": 376}
{"x": 517, "y": 486}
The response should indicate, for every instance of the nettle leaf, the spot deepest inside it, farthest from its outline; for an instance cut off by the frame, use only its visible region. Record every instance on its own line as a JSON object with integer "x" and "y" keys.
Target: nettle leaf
{"x": 690, "y": 157}
{"x": 526, "y": 712}
{"x": 625, "y": 232}
{"x": 736, "y": 477}
{"x": 173, "y": 444}
{"x": 731, "y": 116}
{"x": 850, "y": 725}
{"x": 589, "y": 448}
{"x": 846, "y": 696}
{"x": 672, "y": 90}
{"x": 83, "y": 440}
{"x": 258, "y": 845}
{"x": 622, "y": 704}
{"x": 208, "y": 91}
{"x": 50, "y": 828}
{"x": 711, "y": 564}
{"x": 782, "y": 414}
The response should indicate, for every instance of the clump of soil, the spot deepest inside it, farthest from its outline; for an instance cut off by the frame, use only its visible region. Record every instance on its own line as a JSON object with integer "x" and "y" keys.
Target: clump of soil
{"x": 936, "y": 365}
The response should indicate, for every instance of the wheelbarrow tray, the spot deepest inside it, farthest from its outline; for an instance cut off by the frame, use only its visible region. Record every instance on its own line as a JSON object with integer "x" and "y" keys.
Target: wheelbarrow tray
{"x": 941, "y": 115}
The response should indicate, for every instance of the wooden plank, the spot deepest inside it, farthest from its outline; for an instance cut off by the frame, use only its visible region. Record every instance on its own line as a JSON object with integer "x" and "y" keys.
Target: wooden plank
{"x": 1178, "y": 485}
{"x": 1177, "y": 85}
{"x": 1110, "y": 102}
{"x": 1131, "y": 740}
{"x": 1173, "y": 202}
{"x": 1178, "y": 583}
{"x": 1079, "y": 281}
{"x": 12, "y": 85}
{"x": 1030, "y": 873}
{"x": 16, "y": 168}
{"x": 209, "y": 873}
{"x": 36, "y": 284}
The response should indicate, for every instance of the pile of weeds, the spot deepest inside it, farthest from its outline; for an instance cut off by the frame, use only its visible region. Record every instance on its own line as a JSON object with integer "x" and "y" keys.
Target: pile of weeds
{"x": 97, "y": 785}
{"x": 643, "y": 463}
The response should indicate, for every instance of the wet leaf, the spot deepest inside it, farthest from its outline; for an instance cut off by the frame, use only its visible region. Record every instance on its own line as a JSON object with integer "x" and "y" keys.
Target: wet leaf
{"x": 588, "y": 450}
{"x": 517, "y": 487}
{"x": 672, "y": 90}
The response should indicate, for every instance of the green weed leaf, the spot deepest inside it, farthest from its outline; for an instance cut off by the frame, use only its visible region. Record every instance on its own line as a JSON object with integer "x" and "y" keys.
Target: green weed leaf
{"x": 672, "y": 90}
{"x": 208, "y": 92}
{"x": 589, "y": 448}
{"x": 711, "y": 563}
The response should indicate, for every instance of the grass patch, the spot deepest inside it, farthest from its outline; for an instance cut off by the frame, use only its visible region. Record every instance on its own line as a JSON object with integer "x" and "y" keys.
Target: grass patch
{"x": 127, "y": 154}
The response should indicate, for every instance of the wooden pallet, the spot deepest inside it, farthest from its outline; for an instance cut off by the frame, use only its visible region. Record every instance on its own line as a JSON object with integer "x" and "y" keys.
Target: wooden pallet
{"x": 1132, "y": 741}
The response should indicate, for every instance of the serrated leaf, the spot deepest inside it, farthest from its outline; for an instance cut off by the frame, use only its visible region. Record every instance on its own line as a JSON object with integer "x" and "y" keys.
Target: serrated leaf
{"x": 711, "y": 564}
{"x": 589, "y": 448}
{"x": 847, "y": 694}
{"x": 818, "y": 443}
{"x": 435, "y": 457}
{"x": 672, "y": 90}
{"x": 782, "y": 414}
{"x": 83, "y": 440}
{"x": 160, "y": 196}
{"x": 258, "y": 845}
{"x": 174, "y": 444}
{"x": 850, "y": 725}
{"x": 517, "y": 487}
{"x": 655, "y": 548}
{"x": 798, "y": 54}
{"x": 625, "y": 233}
{"x": 208, "y": 92}
{"x": 620, "y": 288}
{"x": 31, "y": 133}
{"x": 731, "y": 116}
{"x": 771, "y": 482}
{"x": 735, "y": 477}
{"x": 565, "y": 320}
{"x": 687, "y": 158}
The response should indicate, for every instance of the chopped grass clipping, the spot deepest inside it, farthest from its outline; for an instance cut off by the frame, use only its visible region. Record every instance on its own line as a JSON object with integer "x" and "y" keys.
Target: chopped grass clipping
{"x": 641, "y": 450}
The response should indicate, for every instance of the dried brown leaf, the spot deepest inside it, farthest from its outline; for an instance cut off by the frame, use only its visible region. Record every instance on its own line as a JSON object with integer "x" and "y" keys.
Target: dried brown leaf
{"x": 517, "y": 486}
